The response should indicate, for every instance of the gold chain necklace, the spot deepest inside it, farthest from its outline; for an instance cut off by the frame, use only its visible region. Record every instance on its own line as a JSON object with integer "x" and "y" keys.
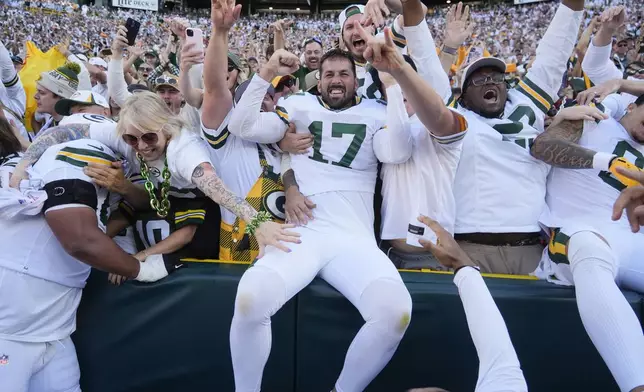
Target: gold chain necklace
{"x": 161, "y": 207}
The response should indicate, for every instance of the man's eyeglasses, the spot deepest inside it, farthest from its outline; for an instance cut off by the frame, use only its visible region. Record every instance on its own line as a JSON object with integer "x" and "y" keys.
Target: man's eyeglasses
{"x": 149, "y": 138}
{"x": 145, "y": 69}
{"x": 231, "y": 67}
{"x": 162, "y": 80}
{"x": 631, "y": 72}
{"x": 483, "y": 80}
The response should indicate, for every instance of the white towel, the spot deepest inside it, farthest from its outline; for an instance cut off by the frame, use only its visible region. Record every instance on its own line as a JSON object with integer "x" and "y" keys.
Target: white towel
{"x": 29, "y": 200}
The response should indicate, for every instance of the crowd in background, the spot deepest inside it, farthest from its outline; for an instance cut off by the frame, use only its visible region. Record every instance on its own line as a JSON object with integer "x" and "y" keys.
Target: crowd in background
{"x": 213, "y": 149}
{"x": 505, "y": 31}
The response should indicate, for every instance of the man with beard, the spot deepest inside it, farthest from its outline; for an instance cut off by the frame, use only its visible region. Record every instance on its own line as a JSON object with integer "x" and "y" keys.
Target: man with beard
{"x": 350, "y": 18}
{"x": 339, "y": 176}
{"x": 587, "y": 249}
{"x": 499, "y": 188}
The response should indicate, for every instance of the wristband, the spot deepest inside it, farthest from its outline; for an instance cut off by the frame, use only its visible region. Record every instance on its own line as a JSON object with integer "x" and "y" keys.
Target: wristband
{"x": 260, "y": 218}
{"x": 602, "y": 160}
{"x": 448, "y": 50}
{"x": 464, "y": 266}
{"x": 152, "y": 269}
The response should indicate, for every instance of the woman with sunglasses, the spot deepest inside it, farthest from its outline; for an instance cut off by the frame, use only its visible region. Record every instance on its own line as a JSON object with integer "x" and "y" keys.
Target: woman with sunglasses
{"x": 171, "y": 160}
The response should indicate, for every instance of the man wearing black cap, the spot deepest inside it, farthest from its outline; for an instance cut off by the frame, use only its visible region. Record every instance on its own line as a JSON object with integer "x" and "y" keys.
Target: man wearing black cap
{"x": 499, "y": 187}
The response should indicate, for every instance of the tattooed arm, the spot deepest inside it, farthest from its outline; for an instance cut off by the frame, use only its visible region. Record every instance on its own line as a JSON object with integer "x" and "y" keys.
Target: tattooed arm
{"x": 43, "y": 141}
{"x": 558, "y": 147}
{"x": 206, "y": 179}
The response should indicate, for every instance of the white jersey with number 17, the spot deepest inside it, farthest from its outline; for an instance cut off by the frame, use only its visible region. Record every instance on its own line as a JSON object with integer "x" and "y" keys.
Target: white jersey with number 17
{"x": 342, "y": 157}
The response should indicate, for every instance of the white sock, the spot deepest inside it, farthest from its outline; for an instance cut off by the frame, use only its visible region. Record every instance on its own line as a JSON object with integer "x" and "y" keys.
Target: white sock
{"x": 608, "y": 318}
{"x": 499, "y": 367}
{"x": 386, "y": 307}
{"x": 260, "y": 294}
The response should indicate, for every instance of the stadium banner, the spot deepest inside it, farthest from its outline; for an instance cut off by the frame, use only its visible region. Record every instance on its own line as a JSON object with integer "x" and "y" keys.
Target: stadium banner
{"x": 517, "y": 2}
{"x": 150, "y": 5}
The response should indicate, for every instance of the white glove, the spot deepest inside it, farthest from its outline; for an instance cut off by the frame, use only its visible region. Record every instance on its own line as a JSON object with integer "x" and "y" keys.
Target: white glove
{"x": 152, "y": 269}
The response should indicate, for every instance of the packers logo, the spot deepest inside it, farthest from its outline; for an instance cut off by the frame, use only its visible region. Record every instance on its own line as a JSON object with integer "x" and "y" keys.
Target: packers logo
{"x": 155, "y": 172}
{"x": 97, "y": 118}
{"x": 274, "y": 204}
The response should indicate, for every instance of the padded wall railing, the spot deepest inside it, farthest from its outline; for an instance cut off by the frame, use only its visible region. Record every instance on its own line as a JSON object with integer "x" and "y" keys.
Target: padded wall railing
{"x": 172, "y": 336}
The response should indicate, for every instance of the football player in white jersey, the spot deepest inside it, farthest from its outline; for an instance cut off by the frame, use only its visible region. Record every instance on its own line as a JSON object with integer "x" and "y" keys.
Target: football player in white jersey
{"x": 499, "y": 187}
{"x": 170, "y": 158}
{"x": 339, "y": 176}
{"x": 44, "y": 264}
{"x": 587, "y": 249}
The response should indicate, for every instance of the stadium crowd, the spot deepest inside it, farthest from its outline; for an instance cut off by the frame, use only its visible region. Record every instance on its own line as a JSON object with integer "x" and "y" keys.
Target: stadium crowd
{"x": 500, "y": 139}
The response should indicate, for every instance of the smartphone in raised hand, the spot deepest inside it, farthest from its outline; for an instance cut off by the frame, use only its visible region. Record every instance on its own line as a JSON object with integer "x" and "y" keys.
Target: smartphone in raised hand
{"x": 195, "y": 36}
{"x": 132, "y": 27}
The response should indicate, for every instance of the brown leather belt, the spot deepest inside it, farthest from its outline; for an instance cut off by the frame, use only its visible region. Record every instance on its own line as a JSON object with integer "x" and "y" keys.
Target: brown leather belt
{"x": 500, "y": 239}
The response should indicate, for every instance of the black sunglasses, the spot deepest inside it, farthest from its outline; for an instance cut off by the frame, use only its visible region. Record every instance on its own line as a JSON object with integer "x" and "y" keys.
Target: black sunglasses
{"x": 632, "y": 72}
{"x": 149, "y": 138}
{"x": 290, "y": 82}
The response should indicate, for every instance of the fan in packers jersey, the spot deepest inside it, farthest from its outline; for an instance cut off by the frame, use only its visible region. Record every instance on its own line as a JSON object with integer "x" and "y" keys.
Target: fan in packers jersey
{"x": 587, "y": 249}
{"x": 350, "y": 18}
{"x": 424, "y": 183}
{"x": 246, "y": 165}
{"x": 499, "y": 188}
{"x": 170, "y": 158}
{"x": 44, "y": 263}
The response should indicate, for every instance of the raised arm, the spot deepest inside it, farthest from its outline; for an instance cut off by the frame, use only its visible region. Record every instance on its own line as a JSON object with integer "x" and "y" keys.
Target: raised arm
{"x": 217, "y": 100}
{"x": 189, "y": 58}
{"x": 423, "y": 49}
{"x": 597, "y": 63}
{"x": 429, "y": 106}
{"x": 499, "y": 367}
{"x": 555, "y": 49}
{"x": 247, "y": 120}
{"x": 376, "y": 10}
{"x": 116, "y": 85}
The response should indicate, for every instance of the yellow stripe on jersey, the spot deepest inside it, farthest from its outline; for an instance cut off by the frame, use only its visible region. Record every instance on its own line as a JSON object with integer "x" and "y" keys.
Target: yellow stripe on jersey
{"x": 216, "y": 141}
{"x": 397, "y": 37}
{"x": 81, "y": 157}
{"x": 462, "y": 127}
{"x": 558, "y": 247}
{"x": 190, "y": 217}
{"x": 12, "y": 82}
{"x": 540, "y": 99}
{"x": 282, "y": 114}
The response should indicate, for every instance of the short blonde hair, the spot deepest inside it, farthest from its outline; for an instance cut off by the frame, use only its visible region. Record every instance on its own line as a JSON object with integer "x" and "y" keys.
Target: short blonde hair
{"x": 147, "y": 112}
